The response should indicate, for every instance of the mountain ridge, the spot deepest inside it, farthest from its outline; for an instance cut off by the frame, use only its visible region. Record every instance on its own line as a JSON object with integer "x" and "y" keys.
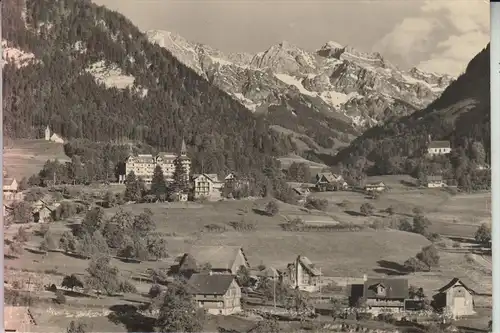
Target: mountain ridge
{"x": 460, "y": 115}
{"x": 309, "y": 72}
{"x": 324, "y": 98}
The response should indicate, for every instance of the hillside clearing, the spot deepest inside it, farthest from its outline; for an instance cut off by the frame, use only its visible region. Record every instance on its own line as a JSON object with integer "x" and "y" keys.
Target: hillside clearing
{"x": 24, "y": 158}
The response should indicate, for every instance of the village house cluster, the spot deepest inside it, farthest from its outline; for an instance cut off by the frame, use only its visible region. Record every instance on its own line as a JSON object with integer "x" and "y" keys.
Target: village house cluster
{"x": 204, "y": 185}
{"x": 212, "y": 271}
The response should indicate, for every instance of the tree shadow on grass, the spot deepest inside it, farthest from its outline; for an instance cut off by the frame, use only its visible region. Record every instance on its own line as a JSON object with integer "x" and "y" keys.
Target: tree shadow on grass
{"x": 260, "y": 212}
{"x": 390, "y": 268}
{"x": 134, "y": 321}
{"x": 76, "y": 255}
{"x": 407, "y": 183}
{"x": 353, "y": 213}
{"x": 77, "y": 294}
{"x": 34, "y": 251}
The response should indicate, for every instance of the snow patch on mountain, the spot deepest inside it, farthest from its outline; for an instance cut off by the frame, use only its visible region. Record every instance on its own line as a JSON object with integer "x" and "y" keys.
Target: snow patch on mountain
{"x": 363, "y": 86}
{"x": 246, "y": 102}
{"x": 16, "y": 56}
{"x": 336, "y": 98}
{"x": 293, "y": 81}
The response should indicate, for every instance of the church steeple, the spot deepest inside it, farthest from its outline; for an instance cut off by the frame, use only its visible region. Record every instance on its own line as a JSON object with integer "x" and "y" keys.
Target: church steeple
{"x": 183, "y": 148}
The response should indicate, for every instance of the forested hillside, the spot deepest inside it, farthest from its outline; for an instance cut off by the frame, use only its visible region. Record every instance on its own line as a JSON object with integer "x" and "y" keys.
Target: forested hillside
{"x": 461, "y": 115}
{"x": 166, "y": 103}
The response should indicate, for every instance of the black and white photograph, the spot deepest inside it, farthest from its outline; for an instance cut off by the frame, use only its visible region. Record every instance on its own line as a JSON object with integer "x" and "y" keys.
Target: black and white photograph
{"x": 247, "y": 166}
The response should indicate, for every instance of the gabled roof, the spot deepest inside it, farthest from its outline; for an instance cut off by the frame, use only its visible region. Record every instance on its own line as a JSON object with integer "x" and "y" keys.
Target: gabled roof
{"x": 436, "y": 178}
{"x": 210, "y": 284}
{"x": 328, "y": 176}
{"x": 301, "y": 191}
{"x": 211, "y": 176}
{"x": 439, "y": 144}
{"x": 40, "y": 204}
{"x": 394, "y": 288}
{"x": 141, "y": 158}
{"x": 166, "y": 155}
{"x": 219, "y": 257}
{"x": 453, "y": 282}
{"x": 308, "y": 265}
{"x": 375, "y": 184}
{"x": 268, "y": 272}
{"x": 8, "y": 181}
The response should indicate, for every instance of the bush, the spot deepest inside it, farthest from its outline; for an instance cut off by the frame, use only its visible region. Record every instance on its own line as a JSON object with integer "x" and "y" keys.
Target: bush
{"x": 378, "y": 224}
{"x": 214, "y": 227}
{"x": 367, "y": 209}
{"x": 72, "y": 281}
{"x": 387, "y": 317}
{"x": 405, "y": 225}
{"x": 272, "y": 208}
{"x": 154, "y": 291}
{"x": 17, "y": 284}
{"x": 77, "y": 327}
{"x": 60, "y": 298}
{"x": 296, "y": 222}
{"x": 127, "y": 287}
{"x": 242, "y": 226}
{"x": 365, "y": 316}
{"x": 315, "y": 203}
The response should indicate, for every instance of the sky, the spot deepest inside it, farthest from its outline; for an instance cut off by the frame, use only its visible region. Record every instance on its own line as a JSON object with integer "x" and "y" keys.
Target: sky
{"x": 435, "y": 35}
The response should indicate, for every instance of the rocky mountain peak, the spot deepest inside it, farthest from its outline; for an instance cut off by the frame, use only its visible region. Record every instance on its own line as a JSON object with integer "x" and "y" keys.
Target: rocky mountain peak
{"x": 362, "y": 89}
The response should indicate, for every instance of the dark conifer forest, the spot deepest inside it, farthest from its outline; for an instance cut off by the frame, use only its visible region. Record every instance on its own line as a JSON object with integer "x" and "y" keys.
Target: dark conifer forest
{"x": 66, "y": 36}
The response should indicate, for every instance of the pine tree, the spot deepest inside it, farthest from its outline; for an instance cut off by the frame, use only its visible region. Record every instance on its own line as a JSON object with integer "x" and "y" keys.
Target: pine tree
{"x": 158, "y": 185}
{"x": 132, "y": 188}
{"x": 180, "y": 181}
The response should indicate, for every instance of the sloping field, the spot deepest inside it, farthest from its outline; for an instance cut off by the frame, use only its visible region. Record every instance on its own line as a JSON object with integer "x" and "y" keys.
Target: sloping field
{"x": 23, "y": 158}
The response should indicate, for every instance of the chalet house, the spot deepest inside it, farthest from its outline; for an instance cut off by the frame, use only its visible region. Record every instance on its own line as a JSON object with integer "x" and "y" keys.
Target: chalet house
{"x": 375, "y": 187}
{"x": 143, "y": 165}
{"x": 234, "y": 180}
{"x": 302, "y": 191}
{"x": 270, "y": 273}
{"x": 18, "y": 319}
{"x": 456, "y": 299}
{"x": 438, "y": 148}
{"x": 302, "y": 274}
{"x": 10, "y": 185}
{"x": 385, "y": 295}
{"x": 217, "y": 259}
{"x": 11, "y": 189}
{"x": 327, "y": 181}
{"x": 42, "y": 211}
{"x": 179, "y": 196}
{"x": 435, "y": 181}
{"x": 207, "y": 185}
{"x": 217, "y": 294}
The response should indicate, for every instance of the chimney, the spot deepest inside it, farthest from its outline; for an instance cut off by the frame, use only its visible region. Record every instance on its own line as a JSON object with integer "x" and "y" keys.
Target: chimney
{"x": 430, "y": 138}
{"x": 365, "y": 278}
